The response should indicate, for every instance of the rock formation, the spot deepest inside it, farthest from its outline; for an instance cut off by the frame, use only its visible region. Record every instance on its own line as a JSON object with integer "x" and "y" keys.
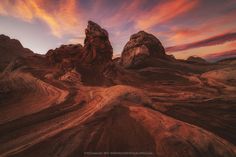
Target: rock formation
{"x": 140, "y": 46}
{"x": 97, "y": 45}
{"x": 11, "y": 49}
{"x": 65, "y": 52}
{"x": 196, "y": 59}
{"x": 77, "y": 101}
{"x": 97, "y": 48}
{"x": 88, "y": 60}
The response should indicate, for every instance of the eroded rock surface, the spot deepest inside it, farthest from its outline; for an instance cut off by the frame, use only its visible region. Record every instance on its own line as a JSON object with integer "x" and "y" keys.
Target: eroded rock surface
{"x": 140, "y": 46}
{"x": 71, "y": 52}
{"x": 97, "y": 45}
{"x": 76, "y": 100}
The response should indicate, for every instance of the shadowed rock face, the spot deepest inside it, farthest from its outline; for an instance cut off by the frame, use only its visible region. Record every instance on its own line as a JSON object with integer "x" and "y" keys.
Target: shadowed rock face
{"x": 97, "y": 48}
{"x": 11, "y": 49}
{"x": 97, "y": 45}
{"x": 140, "y": 46}
{"x": 65, "y": 52}
{"x": 89, "y": 60}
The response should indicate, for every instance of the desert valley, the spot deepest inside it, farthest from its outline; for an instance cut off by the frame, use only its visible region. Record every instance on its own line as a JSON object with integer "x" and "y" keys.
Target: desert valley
{"x": 78, "y": 100}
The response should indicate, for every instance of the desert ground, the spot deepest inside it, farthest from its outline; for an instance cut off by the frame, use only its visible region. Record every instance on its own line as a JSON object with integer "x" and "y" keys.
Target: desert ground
{"x": 78, "y": 101}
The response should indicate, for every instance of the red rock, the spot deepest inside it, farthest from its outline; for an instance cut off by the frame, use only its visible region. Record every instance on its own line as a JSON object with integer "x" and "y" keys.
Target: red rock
{"x": 97, "y": 46}
{"x": 10, "y": 49}
{"x": 65, "y": 52}
{"x": 140, "y": 46}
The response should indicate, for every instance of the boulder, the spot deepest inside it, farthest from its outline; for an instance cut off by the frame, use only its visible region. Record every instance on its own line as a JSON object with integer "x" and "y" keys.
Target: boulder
{"x": 140, "y": 46}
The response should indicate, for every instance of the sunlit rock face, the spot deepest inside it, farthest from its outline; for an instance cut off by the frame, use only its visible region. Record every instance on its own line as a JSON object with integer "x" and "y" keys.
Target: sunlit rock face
{"x": 140, "y": 46}
{"x": 10, "y": 49}
{"x": 97, "y": 46}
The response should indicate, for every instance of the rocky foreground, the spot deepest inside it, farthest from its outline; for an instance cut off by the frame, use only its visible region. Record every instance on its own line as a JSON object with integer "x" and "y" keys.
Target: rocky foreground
{"x": 77, "y": 101}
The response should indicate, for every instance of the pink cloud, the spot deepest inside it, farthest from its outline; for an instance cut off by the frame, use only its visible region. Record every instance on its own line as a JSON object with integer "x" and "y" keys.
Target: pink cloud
{"x": 164, "y": 12}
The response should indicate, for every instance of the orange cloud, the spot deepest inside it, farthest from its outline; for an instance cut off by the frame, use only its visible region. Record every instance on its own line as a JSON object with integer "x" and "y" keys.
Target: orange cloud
{"x": 165, "y": 12}
{"x": 184, "y": 34}
{"x": 233, "y": 45}
{"x": 62, "y": 20}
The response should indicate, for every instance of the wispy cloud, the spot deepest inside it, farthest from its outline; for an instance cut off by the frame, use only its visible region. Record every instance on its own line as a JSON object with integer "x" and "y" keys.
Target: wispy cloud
{"x": 63, "y": 19}
{"x": 158, "y": 13}
{"x": 165, "y": 12}
{"x": 216, "y": 40}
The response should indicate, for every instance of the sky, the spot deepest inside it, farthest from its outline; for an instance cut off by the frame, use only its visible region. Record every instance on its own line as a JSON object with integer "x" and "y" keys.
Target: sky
{"x": 204, "y": 28}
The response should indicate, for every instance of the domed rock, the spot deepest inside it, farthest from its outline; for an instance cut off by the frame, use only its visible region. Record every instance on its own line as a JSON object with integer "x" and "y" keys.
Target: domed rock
{"x": 97, "y": 46}
{"x": 140, "y": 46}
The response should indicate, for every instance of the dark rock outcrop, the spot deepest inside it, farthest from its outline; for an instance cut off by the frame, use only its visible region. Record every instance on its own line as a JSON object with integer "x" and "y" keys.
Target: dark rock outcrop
{"x": 10, "y": 49}
{"x": 97, "y": 48}
{"x": 68, "y": 52}
{"x": 196, "y": 59}
{"x": 90, "y": 60}
{"x": 97, "y": 45}
{"x": 140, "y": 46}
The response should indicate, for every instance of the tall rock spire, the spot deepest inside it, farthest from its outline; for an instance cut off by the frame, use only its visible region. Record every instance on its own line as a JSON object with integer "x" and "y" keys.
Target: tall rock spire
{"x": 97, "y": 46}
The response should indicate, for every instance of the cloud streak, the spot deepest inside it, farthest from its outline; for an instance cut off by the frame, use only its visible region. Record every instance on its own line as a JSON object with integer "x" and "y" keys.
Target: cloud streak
{"x": 165, "y": 12}
{"x": 221, "y": 55}
{"x": 216, "y": 40}
{"x": 154, "y": 14}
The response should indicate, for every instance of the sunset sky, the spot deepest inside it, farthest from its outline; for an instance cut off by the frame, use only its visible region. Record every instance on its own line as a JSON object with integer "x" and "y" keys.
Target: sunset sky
{"x": 206, "y": 28}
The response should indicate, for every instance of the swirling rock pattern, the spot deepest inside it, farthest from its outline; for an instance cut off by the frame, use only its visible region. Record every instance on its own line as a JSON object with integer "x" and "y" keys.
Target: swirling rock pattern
{"x": 77, "y": 101}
